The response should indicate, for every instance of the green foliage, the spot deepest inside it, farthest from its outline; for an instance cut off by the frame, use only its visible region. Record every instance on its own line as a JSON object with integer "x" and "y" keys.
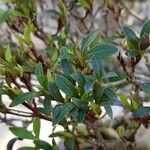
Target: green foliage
{"x": 76, "y": 78}
{"x": 103, "y": 51}
{"x": 66, "y": 86}
{"x": 62, "y": 112}
{"x": 29, "y": 96}
{"x": 146, "y": 88}
{"x": 132, "y": 53}
{"x": 145, "y": 29}
{"x": 132, "y": 39}
{"x": 4, "y": 15}
{"x": 42, "y": 145}
{"x": 36, "y": 127}
{"x": 141, "y": 112}
{"x": 21, "y": 133}
{"x": 54, "y": 92}
{"x": 89, "y": 39}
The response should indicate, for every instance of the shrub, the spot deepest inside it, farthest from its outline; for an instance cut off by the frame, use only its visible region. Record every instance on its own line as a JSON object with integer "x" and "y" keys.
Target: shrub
{"x": 76, "y": 69}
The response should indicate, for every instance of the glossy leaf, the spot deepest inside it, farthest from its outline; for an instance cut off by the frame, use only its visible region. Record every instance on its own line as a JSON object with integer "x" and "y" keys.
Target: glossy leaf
{"x": 42, "y": 145}
{"x": 146, "y": 28}
{"x": 109, "y": 97}
{"x": 109, "y": 111}
{"x": 131, "y": 36}
{"x": 97, "y": 92}
{"x": 146, "y": 88}
{"x": 21, "y": 132}
{"x": 79, "y": 103}
{"x": 28, "y": 96}
{"x": 54, "y": 92}
{"x": 36, "y": 127}
{"x": 101, "y": 51}
{"x": 132, "y": 53}
{"x": 66, "y": 67}
{"x": 81, "y": 115}
{"x": 141, "y": 112}
{"x": 63, "y": 112}
{"x": 61, "y": 134}
{"x": 66, "y": 86}
{"x": 69, "y": 143}
{"x": 124, "y": 100}
{"x": 78, "y": 115}
{"x": 38, "y": 69}
{"x": 81, "y": 80}
{"x": 98, "y": 67}
{"x": 87, "y": 41}
{"x": 43, "y": 81}
{"x": 47, "y": 105}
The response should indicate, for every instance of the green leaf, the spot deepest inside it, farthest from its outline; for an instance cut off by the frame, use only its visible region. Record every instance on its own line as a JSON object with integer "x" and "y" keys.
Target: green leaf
{"x": 78, "y": 115}
{"x": 80, "y": 78}
{"x": 131, "y": 37}
{"x": 69, "y": 143}
{"x": 8, "y": 55}
{"x": 55, "y": 93}
{"x": 43, "y": 111}
{"x": 146, "y": 28}
{"x": 82, "y": 130}
{"x": 26, "y": 148}
{"x": 65, "y": 53}
{"x": 63, "y": 111}
{"x": 96, "y": 109}
{"x": 28, "y": 96}
{"x": 66, "y": 67}
{"x": 66, "y": 86}
{"x": 132, "y": 53}
{"x": 121, "y": 131}
{"x": 43, "y": 81}
{"x": 124, "y": 100}
{"x": 101, "y": 51}
{"x": 42, "y": 145}
{"x": 61, "y": 134}
{"x": 109, "y": 111}
{"x": 36, "y": 127}
{"x": 38, "y": 69}
{"x": 21, "y": 133}
{"x": 97, "y": 92}
{"x": 146, "y": 88}
{"x": 89, "y": 39}
{"x": 18, "y": 14}
{"x": 79, "y": 103}
{"x": 98, "y": 67}
{"x": 27, "y": 31}
{"x": 47, "y": 105}
{"x": 81, "y": 115}
{"x": 4, "y": 15}
{"x": 109, "y": 97}
{"x": 141, "y": 112}
{"x": 84, "y": 3}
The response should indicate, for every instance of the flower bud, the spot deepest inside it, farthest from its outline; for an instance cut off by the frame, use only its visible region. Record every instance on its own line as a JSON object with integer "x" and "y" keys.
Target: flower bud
{"x": 144, "y": 42}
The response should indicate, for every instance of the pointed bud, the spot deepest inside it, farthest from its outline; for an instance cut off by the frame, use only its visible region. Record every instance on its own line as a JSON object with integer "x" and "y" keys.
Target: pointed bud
{"x": 144, "y": 42}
